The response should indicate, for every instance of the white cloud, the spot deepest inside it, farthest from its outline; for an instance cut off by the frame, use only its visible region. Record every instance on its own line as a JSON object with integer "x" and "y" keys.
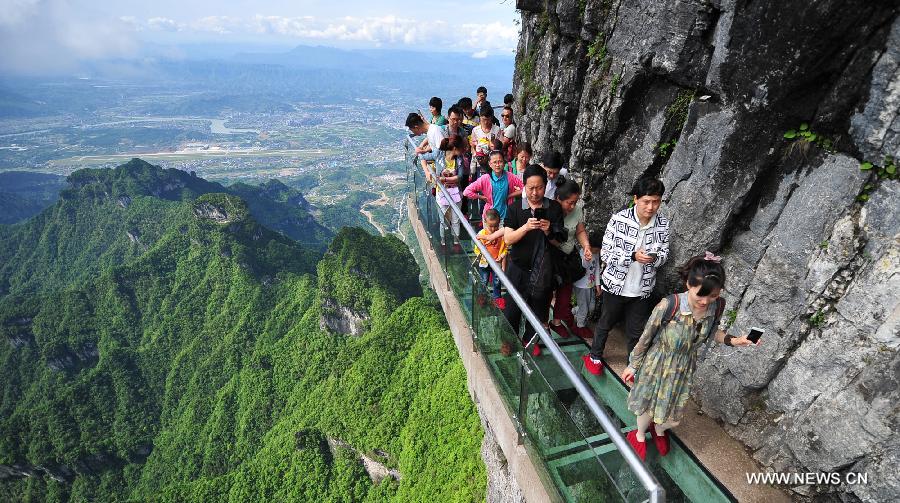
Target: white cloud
{"x": 223, "y": 25}
{"x": 13, "y": 12}
{"x": 53, "y": 35}
{"x": 494, "y": 36}
{"x": 39, "y": 35}
{"x": 387, "y": 30}
{"x": 164, "y": 24}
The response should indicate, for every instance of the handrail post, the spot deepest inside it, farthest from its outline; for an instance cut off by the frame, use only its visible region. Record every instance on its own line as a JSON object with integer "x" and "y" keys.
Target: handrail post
{"x": 473, "y": 316}
{"x": 524, "y": 372}
{"x": 446, "y": 239}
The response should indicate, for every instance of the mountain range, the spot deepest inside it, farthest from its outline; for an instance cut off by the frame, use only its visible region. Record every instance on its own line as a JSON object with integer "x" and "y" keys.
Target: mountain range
{"x": 160, "y": 341}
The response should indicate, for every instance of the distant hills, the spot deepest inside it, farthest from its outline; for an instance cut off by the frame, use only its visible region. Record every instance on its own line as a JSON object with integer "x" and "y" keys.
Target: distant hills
{"x": 273, "y": 203}
{"x": 279, "y": 207}
{"x": 256, "y": 82}
{"x": 159, "y": 342}
{"x": 374, "y": 60}
{"x": 24, "y": 194}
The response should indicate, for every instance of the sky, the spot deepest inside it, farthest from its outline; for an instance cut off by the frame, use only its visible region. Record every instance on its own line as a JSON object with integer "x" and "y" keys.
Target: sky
{"x": 40, "y": 35}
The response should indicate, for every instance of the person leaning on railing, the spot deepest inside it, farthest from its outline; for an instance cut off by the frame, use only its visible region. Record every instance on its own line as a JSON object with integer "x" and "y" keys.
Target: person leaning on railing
{"x": 662, "y": 363}
{"x": 433, "y": 136}
{"x": 530, "y": 267}
{"x": 450, "y": 162}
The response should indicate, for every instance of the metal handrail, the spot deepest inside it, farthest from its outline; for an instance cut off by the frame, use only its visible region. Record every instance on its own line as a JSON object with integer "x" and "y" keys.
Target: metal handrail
{"x": 657, "y": 493}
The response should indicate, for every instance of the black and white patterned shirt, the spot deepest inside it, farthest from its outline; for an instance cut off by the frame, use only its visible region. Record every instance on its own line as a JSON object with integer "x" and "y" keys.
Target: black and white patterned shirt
{"x": 621, "y": 239}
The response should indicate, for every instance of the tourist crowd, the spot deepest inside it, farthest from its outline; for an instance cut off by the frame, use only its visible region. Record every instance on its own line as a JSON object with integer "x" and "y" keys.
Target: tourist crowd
{"x": 533, "y": 224}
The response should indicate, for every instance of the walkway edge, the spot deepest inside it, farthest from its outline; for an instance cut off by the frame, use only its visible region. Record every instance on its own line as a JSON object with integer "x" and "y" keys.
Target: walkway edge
{"x": 480, "y": 383}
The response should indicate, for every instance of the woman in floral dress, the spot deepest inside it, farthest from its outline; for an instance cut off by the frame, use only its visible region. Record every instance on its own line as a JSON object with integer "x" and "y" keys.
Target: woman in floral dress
{"x": 663, "y": 362}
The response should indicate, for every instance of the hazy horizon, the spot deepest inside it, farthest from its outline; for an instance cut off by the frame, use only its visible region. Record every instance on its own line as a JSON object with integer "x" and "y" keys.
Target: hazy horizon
{"x": 57, "y": 37}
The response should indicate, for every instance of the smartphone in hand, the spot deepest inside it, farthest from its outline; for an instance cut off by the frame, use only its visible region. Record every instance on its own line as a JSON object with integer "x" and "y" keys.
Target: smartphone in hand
{"x": 540, "y": 214}
{"x": 755, "y": 334}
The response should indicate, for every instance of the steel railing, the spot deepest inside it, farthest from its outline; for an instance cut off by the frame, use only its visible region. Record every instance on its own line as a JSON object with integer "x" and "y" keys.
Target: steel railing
{"x": 646, "y": 478}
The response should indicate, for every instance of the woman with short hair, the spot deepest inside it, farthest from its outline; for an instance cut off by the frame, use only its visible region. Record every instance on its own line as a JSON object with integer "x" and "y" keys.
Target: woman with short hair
{"x": 518, "y": 164}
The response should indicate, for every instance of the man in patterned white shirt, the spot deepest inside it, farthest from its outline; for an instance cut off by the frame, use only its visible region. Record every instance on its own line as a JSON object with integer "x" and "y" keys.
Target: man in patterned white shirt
{"x": 635, "y": 245}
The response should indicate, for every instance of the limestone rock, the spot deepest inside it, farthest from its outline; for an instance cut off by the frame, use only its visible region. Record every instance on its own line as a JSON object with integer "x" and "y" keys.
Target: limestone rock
{"x": 719, "y": 83}
{"x": 341, "y": 319}
{"x": 876, "y": 129}
{"x": 211, "y": 212}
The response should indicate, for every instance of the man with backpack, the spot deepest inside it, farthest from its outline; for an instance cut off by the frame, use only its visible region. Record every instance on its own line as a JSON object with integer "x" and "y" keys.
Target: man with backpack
{"x": 635, "y": 245}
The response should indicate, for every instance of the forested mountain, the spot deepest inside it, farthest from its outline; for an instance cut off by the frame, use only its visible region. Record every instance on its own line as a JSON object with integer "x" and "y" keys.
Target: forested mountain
{"x": 160, "y": 343}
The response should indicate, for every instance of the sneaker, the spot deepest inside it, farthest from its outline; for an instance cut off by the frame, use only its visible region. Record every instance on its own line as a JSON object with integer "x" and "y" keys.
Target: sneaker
{"x": 639, "y": 447}
{"x": 536, "y": 350}
{"x": 661, "y": 441}
{"x": 500, "y": 302}
{"x": 560, "y": 329}
{"x": 593, "y": 368}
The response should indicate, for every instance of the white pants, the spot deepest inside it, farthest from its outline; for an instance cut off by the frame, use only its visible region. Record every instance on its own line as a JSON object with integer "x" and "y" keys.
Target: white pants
{"x": 449, "y": 216}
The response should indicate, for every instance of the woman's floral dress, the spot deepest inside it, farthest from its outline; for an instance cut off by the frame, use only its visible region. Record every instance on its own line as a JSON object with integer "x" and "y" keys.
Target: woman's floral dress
{"x": 664, "y": 361}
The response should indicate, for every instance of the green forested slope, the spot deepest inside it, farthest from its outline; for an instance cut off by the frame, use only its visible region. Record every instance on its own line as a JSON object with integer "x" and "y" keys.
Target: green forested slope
{"x": 109, "y": 216}
{"x": 193, "y": 367}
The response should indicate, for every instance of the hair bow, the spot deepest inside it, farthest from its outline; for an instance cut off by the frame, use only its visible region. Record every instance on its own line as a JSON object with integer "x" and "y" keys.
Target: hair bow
{"x": 711, "y": 257}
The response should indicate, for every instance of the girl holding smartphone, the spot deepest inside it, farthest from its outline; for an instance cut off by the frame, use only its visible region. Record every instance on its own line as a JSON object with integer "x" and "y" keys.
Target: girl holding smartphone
{"x": 663, "y": 362}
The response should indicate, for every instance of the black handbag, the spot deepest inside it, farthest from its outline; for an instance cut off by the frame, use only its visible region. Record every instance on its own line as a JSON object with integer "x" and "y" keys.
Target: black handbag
{"x": 567, "y": 266}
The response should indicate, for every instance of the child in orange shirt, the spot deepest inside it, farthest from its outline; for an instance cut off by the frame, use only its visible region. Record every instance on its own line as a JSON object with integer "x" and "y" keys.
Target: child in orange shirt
{"x": 497, "y": 249}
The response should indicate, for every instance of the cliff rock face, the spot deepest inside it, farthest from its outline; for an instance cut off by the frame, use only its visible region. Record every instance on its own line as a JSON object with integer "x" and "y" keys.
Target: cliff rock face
{"x": 342, "y": 320}
{"x": 501, "y": 484}
{"x": 757, "y": 116}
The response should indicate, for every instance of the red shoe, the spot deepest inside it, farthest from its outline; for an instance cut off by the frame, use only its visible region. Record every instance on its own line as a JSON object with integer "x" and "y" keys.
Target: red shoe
{"x": 536, "y": 350}
{"x": 593, "y": 368}
{"x": 639, "y": 447}
{"x": 500, "y": 302}
{"x": 584, "y": 332}
{"x": 661, "y": 441}
{"x": 560, "y": 329}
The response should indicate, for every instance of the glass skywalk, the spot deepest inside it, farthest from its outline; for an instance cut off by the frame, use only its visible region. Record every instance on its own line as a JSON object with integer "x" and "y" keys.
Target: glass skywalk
{"x": 571, "y": 423}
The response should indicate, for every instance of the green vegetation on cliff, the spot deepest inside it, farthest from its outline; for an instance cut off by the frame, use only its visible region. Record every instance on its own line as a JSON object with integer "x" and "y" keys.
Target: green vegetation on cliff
{"x": 191, "y": 363}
